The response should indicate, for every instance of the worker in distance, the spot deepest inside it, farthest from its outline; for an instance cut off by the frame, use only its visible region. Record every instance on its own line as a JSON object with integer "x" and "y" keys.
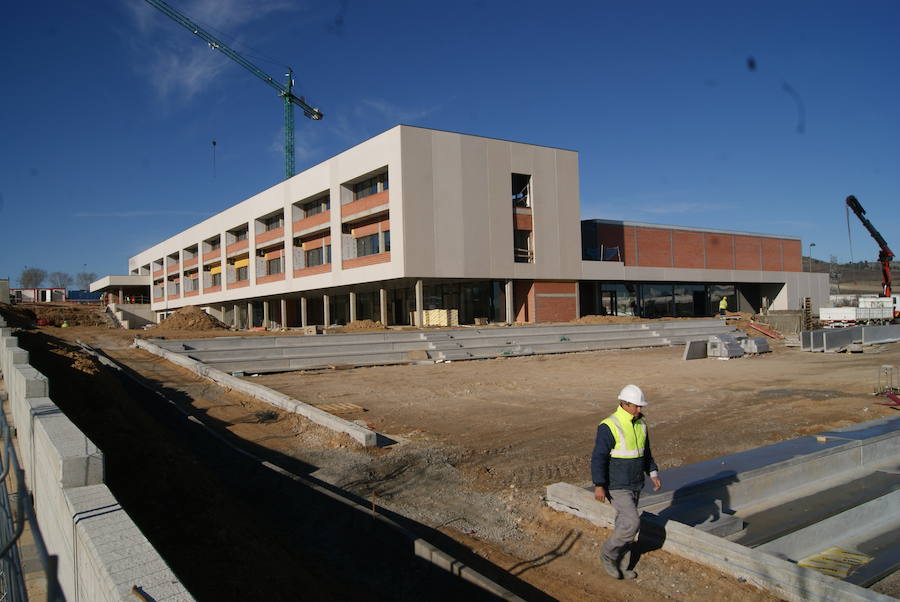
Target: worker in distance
{"x": 619, "y": 462}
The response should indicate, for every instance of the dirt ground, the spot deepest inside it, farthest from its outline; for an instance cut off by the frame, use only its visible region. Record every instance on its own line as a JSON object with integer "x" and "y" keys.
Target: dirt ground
{"x": 478, "y": 441}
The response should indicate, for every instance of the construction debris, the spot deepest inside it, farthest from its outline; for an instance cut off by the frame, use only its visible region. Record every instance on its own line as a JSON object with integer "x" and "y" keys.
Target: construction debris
{"x": 190, "y": 318}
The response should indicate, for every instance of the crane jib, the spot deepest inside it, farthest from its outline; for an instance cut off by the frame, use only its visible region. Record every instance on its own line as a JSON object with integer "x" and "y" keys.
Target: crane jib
{"x": 284, "y": 91}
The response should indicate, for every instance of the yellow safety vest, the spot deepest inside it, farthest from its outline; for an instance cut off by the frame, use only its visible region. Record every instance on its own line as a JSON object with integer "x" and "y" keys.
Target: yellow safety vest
{"x": 630, "y": 435}
{"x": 723, "y": 304}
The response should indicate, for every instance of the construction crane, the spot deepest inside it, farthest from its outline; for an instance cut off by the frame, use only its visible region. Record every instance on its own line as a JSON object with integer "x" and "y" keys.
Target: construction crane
{"x": 885, "y": 254}
{"x": 285, "y": 91}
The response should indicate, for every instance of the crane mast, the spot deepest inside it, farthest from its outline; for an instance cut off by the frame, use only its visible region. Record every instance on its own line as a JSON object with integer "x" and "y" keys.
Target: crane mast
{"x": 885, "y": 255}
{"x": 285, "y": 91}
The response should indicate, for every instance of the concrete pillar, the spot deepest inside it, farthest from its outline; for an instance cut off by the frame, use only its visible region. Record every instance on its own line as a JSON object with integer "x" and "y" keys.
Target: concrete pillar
{"x": 420, "y": 302}
{"x": 283, "y": 313}
{"x": 236, "y": 317}
{"x": 383, "y": 305}
{"x": 121, "y": 296}
{"x": 303, "y": 320}
{"x": 352, "y": 306}
{"x": 249, "y": 314}
{"x": 578, "y": 300}
{"x": 265, "y": 322}
{"x": 510, "y": 317}
{"x": 326, "y": 309}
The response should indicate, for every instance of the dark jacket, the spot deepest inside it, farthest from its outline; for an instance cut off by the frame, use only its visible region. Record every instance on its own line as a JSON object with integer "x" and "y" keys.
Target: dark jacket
{"x": 619, "y": 473}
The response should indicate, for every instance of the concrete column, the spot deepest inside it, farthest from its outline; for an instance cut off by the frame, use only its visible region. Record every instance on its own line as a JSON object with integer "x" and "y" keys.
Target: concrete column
{"x": 265, "y": 323}
{"x": 121, "y": 295}
{"x": 578, "y": 300}
{"x": 420, "y": 302}
{"x": 326, "y": 310}
{"x": 303, "y": 320}
{"x": 283, "y": 313}
{"x": 383, "y": 305}
{"x": 352, "y": 306}
{"x": 510, "y": 317}
{"x": 249, "y": 314}
{"x": 236, "y": 317}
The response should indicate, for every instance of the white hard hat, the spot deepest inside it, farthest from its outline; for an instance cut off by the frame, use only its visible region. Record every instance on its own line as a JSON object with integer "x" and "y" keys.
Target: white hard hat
{"x": 632, "y": 394}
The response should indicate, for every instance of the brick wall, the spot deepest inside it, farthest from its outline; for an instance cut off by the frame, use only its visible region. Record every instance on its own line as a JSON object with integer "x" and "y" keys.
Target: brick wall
{"x": 554, "y": 301}
{"x": 666, "y": 248}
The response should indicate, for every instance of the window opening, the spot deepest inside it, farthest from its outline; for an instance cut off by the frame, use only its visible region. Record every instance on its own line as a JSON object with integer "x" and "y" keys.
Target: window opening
{"x": 521, "y": 187}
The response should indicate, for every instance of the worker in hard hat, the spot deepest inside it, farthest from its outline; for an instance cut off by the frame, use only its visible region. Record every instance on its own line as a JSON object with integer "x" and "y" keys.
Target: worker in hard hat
{"x": 620, "y": 460}
{"x": 723, "y": 305}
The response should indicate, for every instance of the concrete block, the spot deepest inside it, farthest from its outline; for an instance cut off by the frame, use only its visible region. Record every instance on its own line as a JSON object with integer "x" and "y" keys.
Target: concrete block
{"x": 817, "y": 341}
{"x": 874, "y": 335}
{"x": 755, "y": 345}
{"x": 112, "y": 554}
{"x": 74, "y": 459}
{"x": 806, "y": 340}
{"x": 694, "y": 350}
{"x": 836, "y": 339}
{"x": 437, "y": 557}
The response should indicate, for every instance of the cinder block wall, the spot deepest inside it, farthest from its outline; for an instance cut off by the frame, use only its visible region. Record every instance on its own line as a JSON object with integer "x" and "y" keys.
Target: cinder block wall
{"x": 102, "y": 554}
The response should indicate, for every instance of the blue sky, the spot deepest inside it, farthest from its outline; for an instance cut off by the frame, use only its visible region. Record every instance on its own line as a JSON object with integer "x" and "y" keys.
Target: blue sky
{"x": 108, "y": 110}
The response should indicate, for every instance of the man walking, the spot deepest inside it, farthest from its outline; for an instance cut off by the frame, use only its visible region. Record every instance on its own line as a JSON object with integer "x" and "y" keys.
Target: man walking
{"x": 723, "y": 306}
{"x": 621, "y": 458}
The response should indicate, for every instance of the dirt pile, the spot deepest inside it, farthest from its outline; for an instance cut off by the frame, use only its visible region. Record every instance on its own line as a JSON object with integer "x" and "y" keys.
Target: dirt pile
{"x": 358, "y": 325}
{"x": 607, "y": 319}
{"x": 16, "y": 316}
{"x": 190, "y": 318}
{"x": 73, "y": 315}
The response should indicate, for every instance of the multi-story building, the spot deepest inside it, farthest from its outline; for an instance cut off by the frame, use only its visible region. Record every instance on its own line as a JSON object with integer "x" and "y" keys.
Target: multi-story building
{"x": 417, "y": 219}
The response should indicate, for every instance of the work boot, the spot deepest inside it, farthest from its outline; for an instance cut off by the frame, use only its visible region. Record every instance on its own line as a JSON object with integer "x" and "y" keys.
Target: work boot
{"x": 609, "y": 565}
{"x": 623, "y": 564}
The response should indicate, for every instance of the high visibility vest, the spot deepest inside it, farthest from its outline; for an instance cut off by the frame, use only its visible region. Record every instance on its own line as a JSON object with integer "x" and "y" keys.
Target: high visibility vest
{"x": 723, "y": 304}
{"x": 630, "y": 435}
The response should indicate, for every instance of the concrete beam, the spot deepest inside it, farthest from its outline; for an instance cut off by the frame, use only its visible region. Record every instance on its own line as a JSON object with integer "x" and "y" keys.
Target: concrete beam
{"x": 782, "y": 578}
{"x": 361, "y": 434}
{"x": 874, "y": 335}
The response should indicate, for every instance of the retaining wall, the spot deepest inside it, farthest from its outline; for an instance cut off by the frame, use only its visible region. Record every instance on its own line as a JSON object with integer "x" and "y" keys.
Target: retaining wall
{"x": 102, "y": 554}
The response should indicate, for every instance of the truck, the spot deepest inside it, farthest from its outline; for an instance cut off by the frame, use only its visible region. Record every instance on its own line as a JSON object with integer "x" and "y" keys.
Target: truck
{"x": 870, "y": 310}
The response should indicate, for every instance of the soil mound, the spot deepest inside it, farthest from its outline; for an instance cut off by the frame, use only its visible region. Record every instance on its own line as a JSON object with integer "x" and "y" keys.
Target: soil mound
{"x": 17, "y": 317}
{"x": 358, "y": 325}
{"x": 607, "y": 319}
{"x": 74, "y": 315}
{"x": 190, "y": 318}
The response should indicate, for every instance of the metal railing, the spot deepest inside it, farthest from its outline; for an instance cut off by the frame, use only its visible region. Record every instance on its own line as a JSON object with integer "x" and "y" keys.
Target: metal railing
{"x": 12, "y": 525}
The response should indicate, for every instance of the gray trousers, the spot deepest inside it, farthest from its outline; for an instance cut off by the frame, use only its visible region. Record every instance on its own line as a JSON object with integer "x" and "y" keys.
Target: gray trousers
{"x": 628, "y": 522}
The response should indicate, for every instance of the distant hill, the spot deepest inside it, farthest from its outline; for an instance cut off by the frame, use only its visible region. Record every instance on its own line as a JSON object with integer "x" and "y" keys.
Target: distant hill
{"x": 858, "y": 277}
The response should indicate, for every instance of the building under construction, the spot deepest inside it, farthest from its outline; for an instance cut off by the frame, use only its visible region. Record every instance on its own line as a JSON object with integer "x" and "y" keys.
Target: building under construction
{"x": 416, "y": 219}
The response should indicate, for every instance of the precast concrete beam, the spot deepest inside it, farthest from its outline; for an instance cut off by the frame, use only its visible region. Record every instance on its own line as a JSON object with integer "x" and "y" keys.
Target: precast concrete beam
{"x": 785, "y": 579}
{"x": 835, "y": 339}
{"x": 874, "y": 335}
{"x": 361, "y": 434}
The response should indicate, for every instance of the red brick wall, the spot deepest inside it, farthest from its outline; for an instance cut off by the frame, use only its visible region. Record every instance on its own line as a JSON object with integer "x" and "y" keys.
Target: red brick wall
{"x": 554, "y": 309}
{"x": 523, "y": 222}
{"x": 793, "y": 256}
{"x": 369, "y": 202}
{"x": 719, "y": 251}
{"x": 654, "y": 247}
{"x": 747, "y": 253}
{"x": 319, "y": 269}
{"x": 523, "y": 300}
{"x": 270, "y": 235}
{"x": 270, "y": 278}
{"x": 688, "y": 249}
{"x": 771, "y": 250}
{"x": 313, "y": 220}
{"x": 630, "y": 238}
{"x": 357, "y": 262}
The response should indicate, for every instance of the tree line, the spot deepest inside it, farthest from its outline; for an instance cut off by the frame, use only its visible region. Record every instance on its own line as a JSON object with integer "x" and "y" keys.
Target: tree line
{"x": 36, "y": 277}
